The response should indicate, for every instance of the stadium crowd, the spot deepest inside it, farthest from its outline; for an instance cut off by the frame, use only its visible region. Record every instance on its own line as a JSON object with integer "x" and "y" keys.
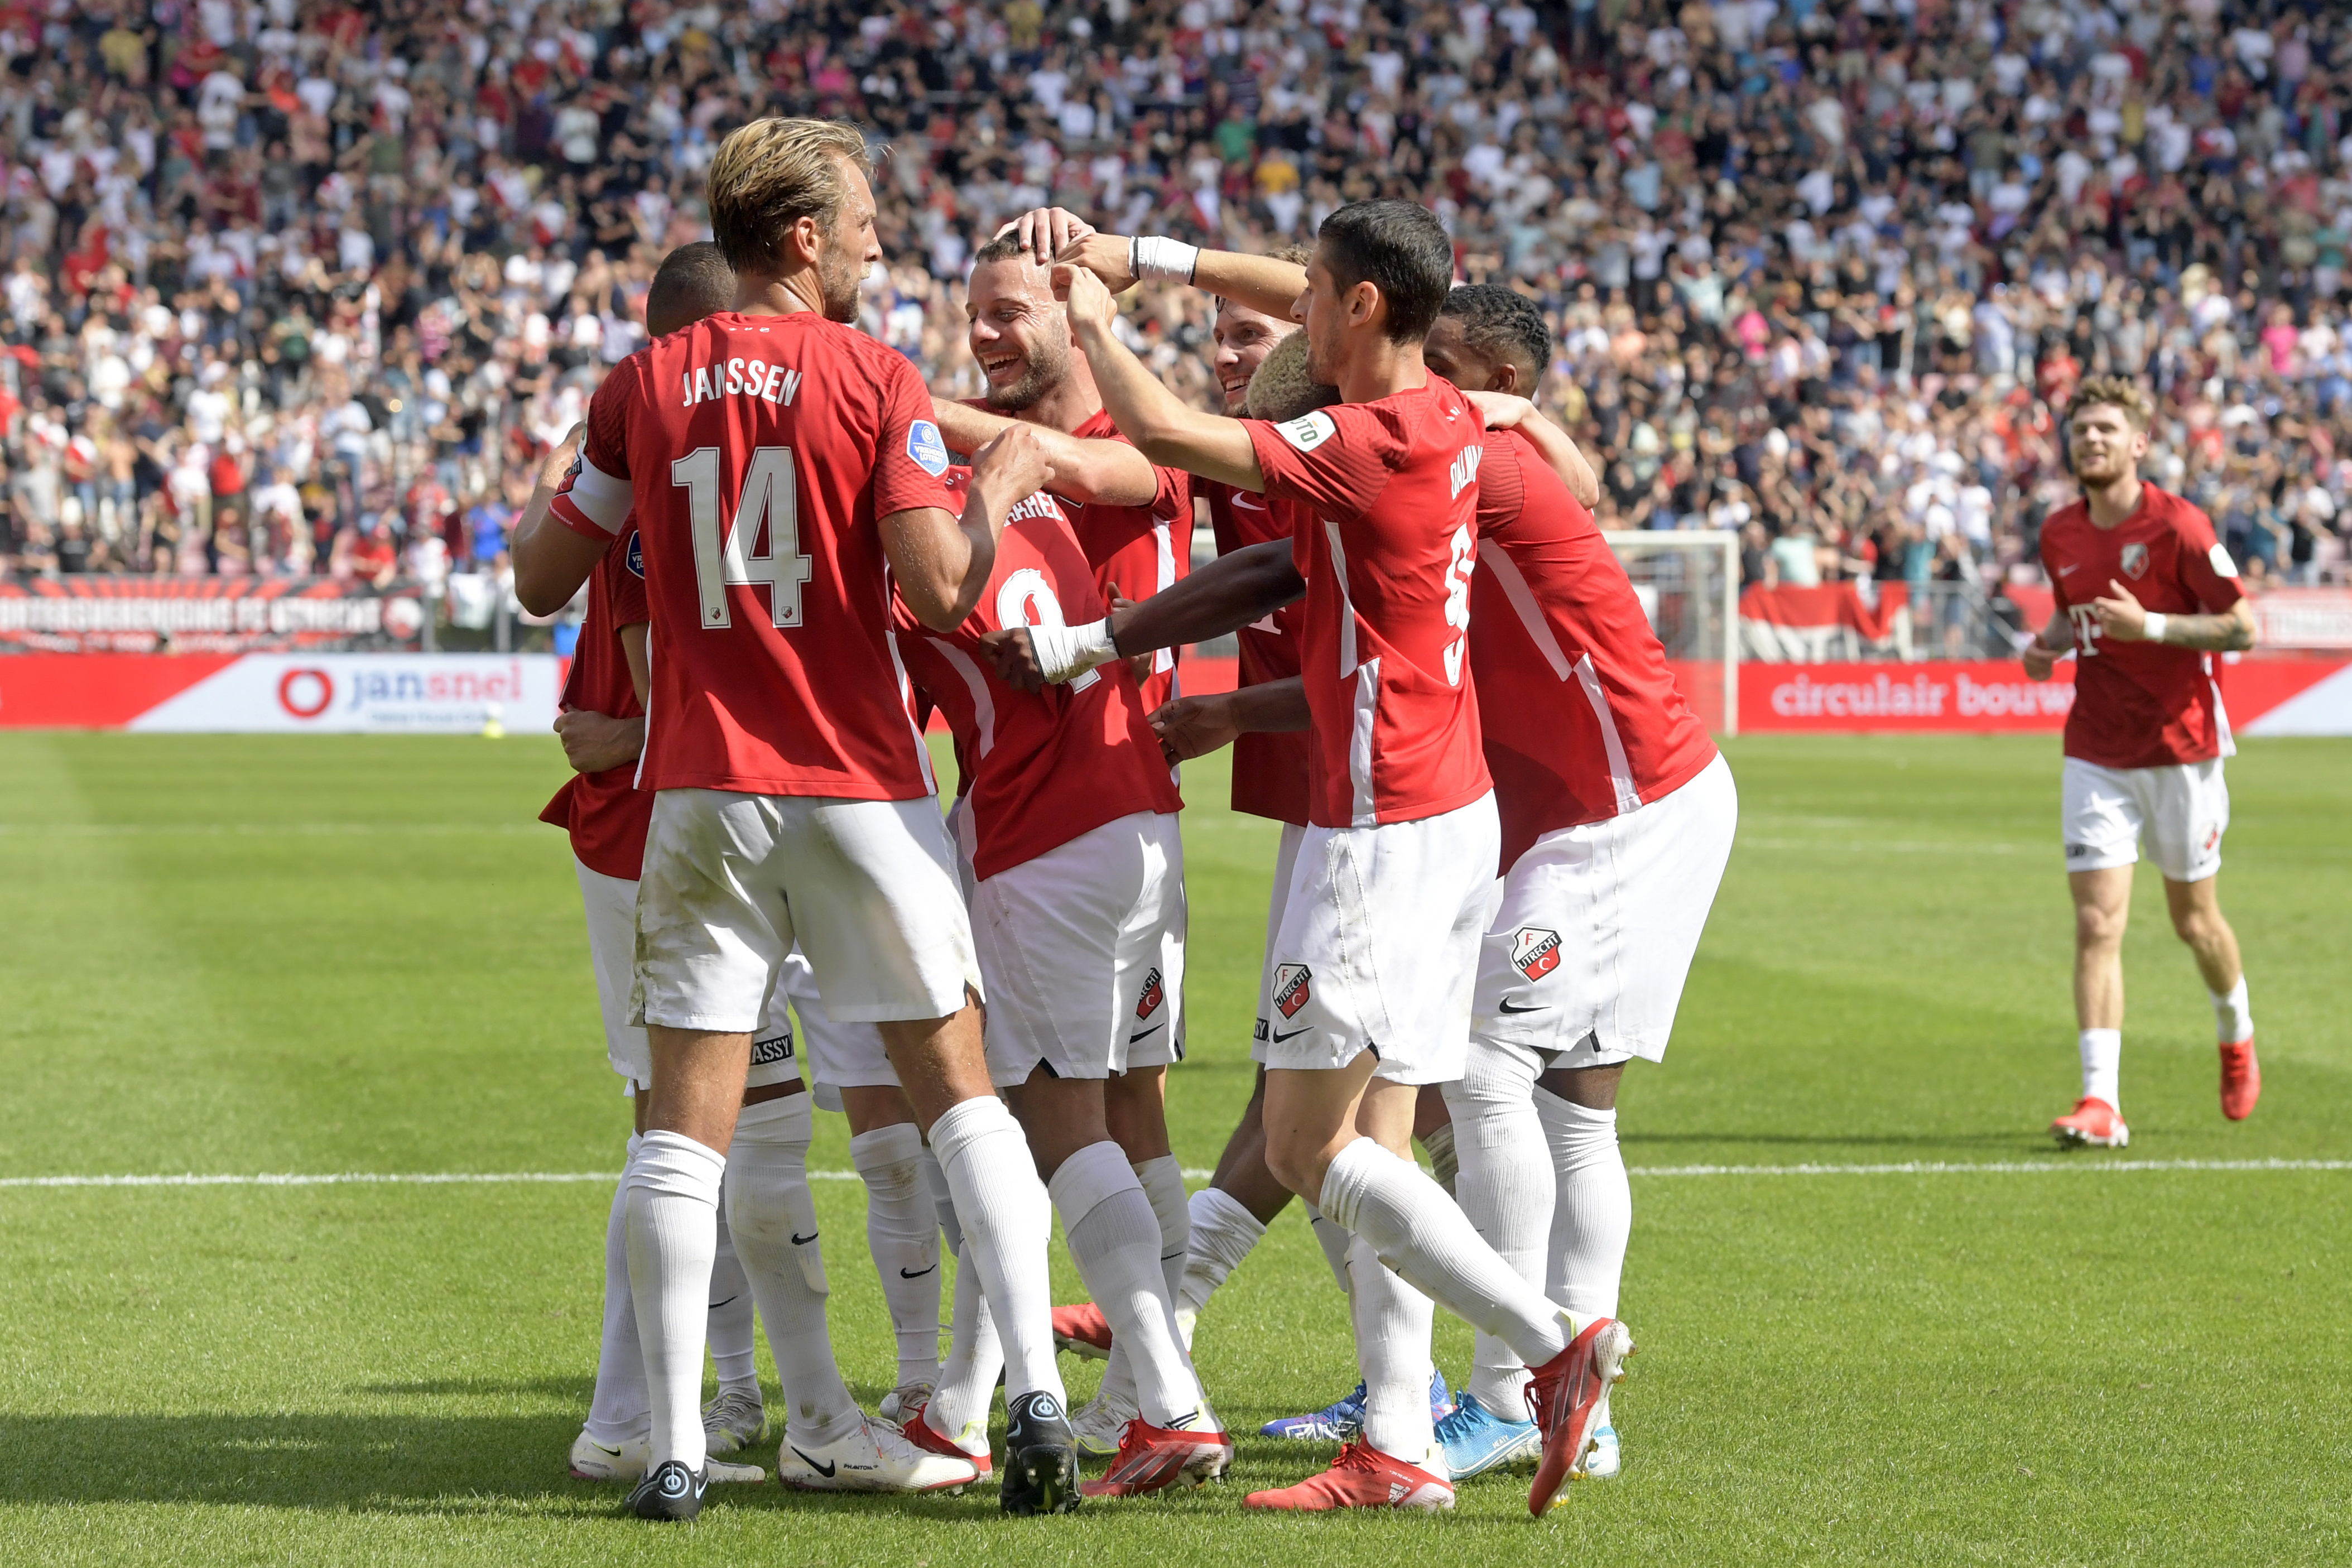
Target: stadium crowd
{"x": 302, "y": 286}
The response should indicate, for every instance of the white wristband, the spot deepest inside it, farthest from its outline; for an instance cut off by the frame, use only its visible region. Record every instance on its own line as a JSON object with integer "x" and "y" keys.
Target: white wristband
{"x": 1151, "y": 256}
{"x": 1065, "y": 653}
{"x": 2156, "y": 623}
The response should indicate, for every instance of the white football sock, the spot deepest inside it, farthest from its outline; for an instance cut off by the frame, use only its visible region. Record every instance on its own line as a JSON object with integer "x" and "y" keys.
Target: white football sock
{"x": 673, "y": 1231}
{"x": 617, "y": 1413}
{"x": 1334, "y": 1239}
{"x": 1445, "y": 1164}
{"x": 775, "y": 1231}
{"x": 1594, "y": 1212}
{"x": 1223, "y": 1232}
{"x": 1163, "y": 1187}
{"x": 2102, "y": 1061}
{"x": 1393, "y": 1327}
{"x": 902, "y": 1232}
{"x": 967, "y": 1380}
{"x": 730, "y": 1327}
{"x": 1115, "y": 1242}
{"x": 2231, "y": 1015}
{"x": 1006, "y": 1219}
{"x": 1418, "y": 1231}
{"x": 1504, "y": 1189}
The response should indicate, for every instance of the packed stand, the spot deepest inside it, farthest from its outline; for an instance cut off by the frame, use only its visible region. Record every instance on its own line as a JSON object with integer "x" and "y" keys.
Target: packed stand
{"x": 302, "y": 287}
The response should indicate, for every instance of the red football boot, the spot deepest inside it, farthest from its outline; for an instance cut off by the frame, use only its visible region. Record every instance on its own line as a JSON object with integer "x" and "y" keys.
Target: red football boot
{"x": 2242, "y": 1079}
{"x": 1362, "y": 1477}
{"x": 1567, "y": 1397}
{"x": 1083, "y": 1330}
{"x": 2099, "y": 1124}
{"x": 922, "y": 1435}
{"x": 1151, "y": 1457}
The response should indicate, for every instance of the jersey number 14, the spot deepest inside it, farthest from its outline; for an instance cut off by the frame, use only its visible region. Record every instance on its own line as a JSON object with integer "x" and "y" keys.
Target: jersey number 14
{"x": 770, "y": 497}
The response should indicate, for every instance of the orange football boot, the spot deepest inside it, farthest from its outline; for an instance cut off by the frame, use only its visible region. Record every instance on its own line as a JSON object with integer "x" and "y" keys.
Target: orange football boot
{"x": 1568, "y": 1397}
{"x": 1083, "y": 1330}
{"x": 1151, "y": 1457}
{"x": 1362, "y": 1477}
{"x": 2242, "y": 1079}
{"x": 2094, "y": 1123}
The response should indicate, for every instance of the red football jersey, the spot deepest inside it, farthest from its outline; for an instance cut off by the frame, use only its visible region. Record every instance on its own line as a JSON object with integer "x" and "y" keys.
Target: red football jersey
{"x": 1041, "y": 767}
{"x": 1143, "y": 548}
{"x": 1582, "y": 718}
{"x": 1388, "y": 551}
{"x": 2141, "y": 704}
{"x": 757, "y": 453}
{"x": 1269, "y": 770}
{"x": 606, "y": 812}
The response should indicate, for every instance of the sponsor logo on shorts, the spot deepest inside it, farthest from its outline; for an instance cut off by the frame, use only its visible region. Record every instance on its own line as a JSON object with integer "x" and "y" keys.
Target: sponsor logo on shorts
{"x": 925, "y": 447}
{"x": 778, "y": 1049}
{"x": 1290, "y": 988}
{"x": 1507, "y": 1005}
{"x": 1282, "y": 1035}
{"x": 799, "y": 1240}
{"x": 1153, "y": 994}
{"x": 1259, "y": 1033}
{"x": 2076, "y": 851}
{"x": 2135, "y": 560}
{"x": 1535, "y": 952}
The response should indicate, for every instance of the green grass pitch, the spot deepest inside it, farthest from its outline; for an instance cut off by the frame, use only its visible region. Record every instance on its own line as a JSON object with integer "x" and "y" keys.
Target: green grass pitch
{"x": 312, "y": 954}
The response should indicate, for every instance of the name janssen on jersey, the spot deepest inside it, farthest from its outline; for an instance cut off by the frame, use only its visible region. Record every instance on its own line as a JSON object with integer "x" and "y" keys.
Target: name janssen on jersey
{"x": 1464, "y": 470}
{"x": 740, "y": 378}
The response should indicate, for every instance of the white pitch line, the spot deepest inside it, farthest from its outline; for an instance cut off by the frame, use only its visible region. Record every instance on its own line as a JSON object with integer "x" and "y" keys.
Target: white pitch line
{"x": 1903, "y": 1168}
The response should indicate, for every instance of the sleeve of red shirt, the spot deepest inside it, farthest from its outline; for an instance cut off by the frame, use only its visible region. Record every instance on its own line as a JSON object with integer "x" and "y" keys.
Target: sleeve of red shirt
{"x": 904, "y": 476}
{"x": 1335, "y": 459}
{"x": 2207, "y": 572}
{"x": 1502, "y": 487}
{"x": 596, "y": 498}
{"x": 1173, "y": 500}
{"x": 626, "y": 595}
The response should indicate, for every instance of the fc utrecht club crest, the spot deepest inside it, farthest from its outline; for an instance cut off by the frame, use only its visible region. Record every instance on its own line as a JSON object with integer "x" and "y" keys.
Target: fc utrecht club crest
{"x": 1535, "y": 952}
{"x": 1153, "y": 994}
{"x": 1290, "y": 988}
{"x": 2135, "y": 560}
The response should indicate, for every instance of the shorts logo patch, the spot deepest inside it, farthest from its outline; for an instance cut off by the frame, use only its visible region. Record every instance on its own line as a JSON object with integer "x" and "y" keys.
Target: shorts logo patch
{"x": 1290, "y": 987}
{"x": 765, "y": 1052}
{"x": 2135, "y": 560}
{"x": 2076, "y": 851}
{"x": 1535, "y": 952}
{"x": 925, "y": 447}
{"x": 633, "y": 557}
{"x": 1153, "y": 994}
{"x": 2212, "y": 839}
{"x": 1307, "y": 431}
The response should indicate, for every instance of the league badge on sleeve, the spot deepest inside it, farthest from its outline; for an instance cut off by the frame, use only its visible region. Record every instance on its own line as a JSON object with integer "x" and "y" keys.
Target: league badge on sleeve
{"x": 633, "y": 557}
{"x": 1308, "y": 431}
{"x": 925, "y": 447}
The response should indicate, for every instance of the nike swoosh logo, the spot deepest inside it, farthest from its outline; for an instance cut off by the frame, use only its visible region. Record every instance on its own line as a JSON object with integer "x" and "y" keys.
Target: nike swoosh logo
{"x": 2063, "y": 570}
{"x": 825, "y": 1471}
{"x": 917, "y": 1273}
{"x": 1252, "y": 505}
{"x": 716, "y": 1305}
{"x": 601, "y": 1450}
{"x": 1293, "y": 1034}
{"x": 1153, "y": 1030}
{"x": 804, "y": 1241}
{"x": 1506, "y": 1006}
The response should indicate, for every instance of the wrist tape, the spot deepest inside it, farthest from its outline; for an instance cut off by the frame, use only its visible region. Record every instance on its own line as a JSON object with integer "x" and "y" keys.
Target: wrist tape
{"x": 1151, "y": 256}
{"x": 1065, "y": 653}
{"x": 2156, "y": 623}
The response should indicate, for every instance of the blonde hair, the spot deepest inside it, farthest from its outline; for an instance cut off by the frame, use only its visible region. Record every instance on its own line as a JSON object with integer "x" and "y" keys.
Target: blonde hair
{"x": 2118, "y": 392}
{"x": 771, "y": 173}
{"x": 1281, "y": 388}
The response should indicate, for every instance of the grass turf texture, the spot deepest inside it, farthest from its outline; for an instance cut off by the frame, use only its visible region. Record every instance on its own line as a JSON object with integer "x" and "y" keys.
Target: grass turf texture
{"x": 315, "y": 954}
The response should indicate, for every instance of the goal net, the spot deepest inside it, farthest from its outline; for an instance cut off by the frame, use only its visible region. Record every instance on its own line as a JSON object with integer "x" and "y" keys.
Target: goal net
{"x": 1689, "y": 584}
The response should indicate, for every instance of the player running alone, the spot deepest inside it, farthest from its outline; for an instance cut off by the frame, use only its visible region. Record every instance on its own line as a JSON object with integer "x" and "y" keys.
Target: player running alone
{"x": 2147, "y": 595}
{"x": 1376, "y": 952}
{"x": 785, "y": 476}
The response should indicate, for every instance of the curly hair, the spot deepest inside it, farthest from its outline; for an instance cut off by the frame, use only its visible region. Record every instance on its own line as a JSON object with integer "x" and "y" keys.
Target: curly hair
{"x": 2120, "y": 392}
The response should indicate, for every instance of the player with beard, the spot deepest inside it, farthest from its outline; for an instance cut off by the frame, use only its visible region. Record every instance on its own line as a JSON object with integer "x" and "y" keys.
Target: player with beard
{"x": 786, "y": 477}
{"x": 1377, "y": 946}
{"x": 2147, "y": 595}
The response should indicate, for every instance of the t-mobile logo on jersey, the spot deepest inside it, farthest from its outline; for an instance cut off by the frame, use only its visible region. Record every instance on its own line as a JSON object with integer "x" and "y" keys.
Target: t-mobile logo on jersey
{"x": 2087, "y": 629}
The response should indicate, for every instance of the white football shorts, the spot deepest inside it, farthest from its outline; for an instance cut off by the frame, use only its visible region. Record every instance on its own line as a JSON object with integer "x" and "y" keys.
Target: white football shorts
{"x": 611, "y": 906}
{"x": 1083, "y": 948}
{"x": 2180, "y": 812}
{"x": 1585, "y": 962}
{"x": 1379, "y": 945}
{"x": 867, "y": 888}
{"x": 1286, "y": 858}
{"x": 840, "y": 1056}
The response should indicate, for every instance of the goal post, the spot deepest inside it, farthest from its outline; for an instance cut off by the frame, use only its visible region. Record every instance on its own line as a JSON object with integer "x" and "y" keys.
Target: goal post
{"x": 1688, "y": 584}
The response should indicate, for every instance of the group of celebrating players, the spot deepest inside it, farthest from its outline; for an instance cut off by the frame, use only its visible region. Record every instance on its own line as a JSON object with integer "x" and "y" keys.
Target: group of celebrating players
{"x": 1502, "y": 830}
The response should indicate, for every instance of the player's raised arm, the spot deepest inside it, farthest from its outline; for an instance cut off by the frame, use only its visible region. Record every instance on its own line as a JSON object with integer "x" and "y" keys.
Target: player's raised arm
{"x": 1263, "y": 283}
{"x": 1505, "y": 411}
{"x": 940, "y": 562}
{"x": 551, "y": 560}
{"x": 1111, "y": 472}
{"x": 1163, "y": 428}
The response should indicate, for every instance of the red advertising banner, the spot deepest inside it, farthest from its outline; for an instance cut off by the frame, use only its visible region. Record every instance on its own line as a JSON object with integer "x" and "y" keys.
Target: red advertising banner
{"x": 202, "y": 615}
{"x": 1992, "y": 695}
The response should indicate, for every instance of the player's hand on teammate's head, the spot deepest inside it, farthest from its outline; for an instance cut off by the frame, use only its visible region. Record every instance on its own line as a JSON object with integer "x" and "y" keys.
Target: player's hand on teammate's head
{"x": 1193, "y": 727}
{"x": 1104, "y": 255}
{"x": 1088, "y": 298}
{"x": 1017, "y": 460}
{"x": 2122, "y": 616}
{"x": 1500, "y": 410}
{"x": 1013, "y": 652}
{"x": 1049, "y": 231}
